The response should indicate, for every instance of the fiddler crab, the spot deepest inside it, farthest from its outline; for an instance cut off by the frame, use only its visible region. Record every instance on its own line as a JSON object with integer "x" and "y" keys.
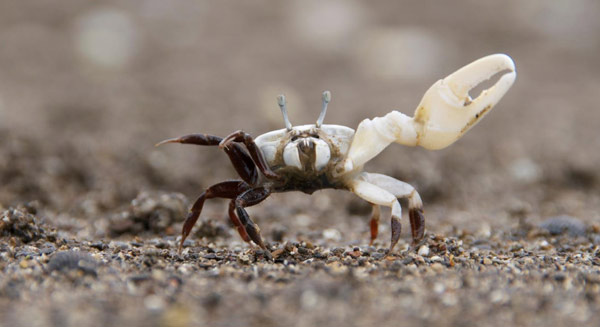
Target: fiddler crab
{"x": 317, "y": 156}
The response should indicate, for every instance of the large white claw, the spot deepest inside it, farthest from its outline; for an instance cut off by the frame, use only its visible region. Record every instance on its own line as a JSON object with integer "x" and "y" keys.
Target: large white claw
{"x": 445, "y": 113}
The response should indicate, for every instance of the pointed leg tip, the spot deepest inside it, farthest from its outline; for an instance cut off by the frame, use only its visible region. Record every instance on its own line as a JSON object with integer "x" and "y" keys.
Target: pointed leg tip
{"x": 389, "y": 255}
{"x": 262, "y": 245}
{"x": 183, "y": 238}
{"x": 391, "y": 250}
{"x": 268, "y": 254}
{"x": 416, "y": 243}
{"x": 396, "y": 230}
{"x": 174, "y": 140}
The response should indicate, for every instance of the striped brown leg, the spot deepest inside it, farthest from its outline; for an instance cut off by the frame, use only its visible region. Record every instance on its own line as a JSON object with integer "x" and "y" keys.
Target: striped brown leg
{"x": 236, "y": 222}
{"x": 240, "y": 159}
{"x": 374, "y": 223}
{"x": 417, "y": 224}
{"x": 198, "y": 139}
{"x": 243, "y": 164}
{"x": 249, "y": 198}
{"x": 229, "y": 190}
{"x": 396, "y": 230}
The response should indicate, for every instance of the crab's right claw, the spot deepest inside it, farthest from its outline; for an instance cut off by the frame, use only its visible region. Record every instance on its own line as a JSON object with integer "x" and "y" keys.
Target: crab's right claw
{"x": 447, "y": 111}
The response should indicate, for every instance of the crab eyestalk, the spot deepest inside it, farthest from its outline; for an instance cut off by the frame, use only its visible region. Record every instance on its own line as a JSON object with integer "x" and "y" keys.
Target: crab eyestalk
{"x": 282, "y": 105}
{"x": 326, "y": 99}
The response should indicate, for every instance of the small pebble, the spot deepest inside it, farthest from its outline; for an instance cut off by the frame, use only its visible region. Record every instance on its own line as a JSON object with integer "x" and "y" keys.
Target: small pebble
{"x": 72, "y": 260}
{"x": 378, "y": 255}
{"x": 245, "y": 259}
{"x": 99, "y": 245}
{"x": 338, "y": 252}
{"x": 564, "y": 224}
{"x": 423, "y": 251}
{"x": 437, "y": 267}
{"x": 525, "y": 170}
{"x": 119, "y": 245}
{"x": 160, "y": 244}
{"x": 48, "y": 249}
{"x": 354, "y": 253}
{"x": 332, "y": 234}
{"x": 277, "y": 253}
{"x": 154, "y": 303}
{"x": 213, "y": 256}
{"x": 320, "y": 255}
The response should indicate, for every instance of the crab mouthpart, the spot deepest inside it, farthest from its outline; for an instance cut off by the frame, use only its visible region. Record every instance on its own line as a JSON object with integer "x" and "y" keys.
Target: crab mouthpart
{"x": 306, "y": 146}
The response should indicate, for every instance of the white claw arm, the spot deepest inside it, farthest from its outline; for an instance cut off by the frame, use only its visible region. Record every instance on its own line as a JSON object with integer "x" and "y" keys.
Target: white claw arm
{"x": 445, "y": 113}
{"x": 372, "y": 136}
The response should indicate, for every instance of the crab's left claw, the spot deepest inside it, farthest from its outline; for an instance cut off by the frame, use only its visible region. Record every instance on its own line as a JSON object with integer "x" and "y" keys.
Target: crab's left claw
{"x": 445, "y": 113}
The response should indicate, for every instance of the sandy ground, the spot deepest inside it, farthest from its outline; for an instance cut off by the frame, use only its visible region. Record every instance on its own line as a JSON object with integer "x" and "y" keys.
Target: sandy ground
{"x": 91, "y": 210}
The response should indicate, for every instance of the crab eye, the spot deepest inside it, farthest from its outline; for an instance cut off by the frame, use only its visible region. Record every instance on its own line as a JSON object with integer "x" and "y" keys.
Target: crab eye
{"x": 294, "y": 138}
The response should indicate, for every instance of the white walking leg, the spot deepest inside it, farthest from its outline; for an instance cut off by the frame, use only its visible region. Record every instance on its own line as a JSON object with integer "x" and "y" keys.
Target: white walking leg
{"x": 401, "y": 189}
{"x": 378, "y": 196}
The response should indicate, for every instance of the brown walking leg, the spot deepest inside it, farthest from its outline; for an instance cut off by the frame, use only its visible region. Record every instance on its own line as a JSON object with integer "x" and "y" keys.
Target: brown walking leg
{"x": 236, "y": 222}
{"x": 249, "y": 198}
{"x": 228, "y": 189}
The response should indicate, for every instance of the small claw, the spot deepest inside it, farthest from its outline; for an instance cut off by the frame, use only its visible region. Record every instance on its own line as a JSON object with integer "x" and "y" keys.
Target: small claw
{"x": 446, "y": 111}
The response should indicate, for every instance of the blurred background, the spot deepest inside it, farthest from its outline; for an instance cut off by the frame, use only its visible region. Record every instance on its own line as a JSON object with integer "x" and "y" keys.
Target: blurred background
{"x": 88, "y": 88}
